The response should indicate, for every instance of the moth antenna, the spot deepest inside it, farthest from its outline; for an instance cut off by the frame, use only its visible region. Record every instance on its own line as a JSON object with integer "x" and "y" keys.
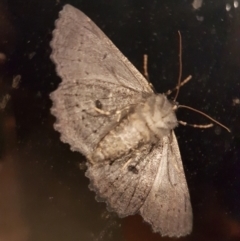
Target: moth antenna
{"x": 180, "y": 83}
{"x": 202, "y": 113}
{"x": 180, "y": 65}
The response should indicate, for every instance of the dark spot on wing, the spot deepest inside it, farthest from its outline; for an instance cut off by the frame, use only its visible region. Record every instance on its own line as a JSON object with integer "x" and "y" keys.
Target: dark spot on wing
{"x": 98, "y": 104}
{"x": 133, "y": 169}
{"x": 105, "y": 56}
{"x": 110, "y": 163}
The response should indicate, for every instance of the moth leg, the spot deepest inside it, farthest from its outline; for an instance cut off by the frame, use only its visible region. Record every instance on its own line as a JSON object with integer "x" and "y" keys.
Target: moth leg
{"x": 134, "y": 165}
{"x": 102, "y": 111}
{"x": 126, "y": 164}
{"x": 179, "y": 85}
{"x": 145, "y": 67}
{"x": 133, "y": 168}
{"x": 145, "y": 70}
{"x": 195, "y": 125}
{"x": 89, "y": 158}
{"x": 107, "y": 113}
{"x": 119, "y": 113}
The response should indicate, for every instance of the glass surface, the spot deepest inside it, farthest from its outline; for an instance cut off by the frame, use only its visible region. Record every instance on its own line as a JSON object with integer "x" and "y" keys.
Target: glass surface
{"x": 44, "y": 193}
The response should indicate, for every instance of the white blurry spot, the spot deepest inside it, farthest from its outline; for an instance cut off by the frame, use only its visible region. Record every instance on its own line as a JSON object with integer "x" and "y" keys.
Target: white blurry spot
{"x": 213, "y": 30}
{"x": 235, "y": 4}
{"x": 82, "y": 165}
{"x": 31, "y": 55}
{"x": 200, "y": 18}
{"x": 228, "y": 7}
{"x": 16, "y": 81}
{"x": 235, "y": 101}
{"x": 39, "y": 95}
{"x": 105, "y": 215}
{"x": 217, "y": 130}
{"x": 4, "y": 101}
{"x": 197, "y": 4}
{"x": 2, "y": 58}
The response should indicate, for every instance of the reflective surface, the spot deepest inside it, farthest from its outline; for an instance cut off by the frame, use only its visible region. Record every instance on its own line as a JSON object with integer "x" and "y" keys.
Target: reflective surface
{"x": 44, "y": 193}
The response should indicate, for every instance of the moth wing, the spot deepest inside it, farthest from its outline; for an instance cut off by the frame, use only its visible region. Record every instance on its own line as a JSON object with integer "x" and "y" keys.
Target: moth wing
{"x": 94, "y": 74}
{"x": 82, "y": 50}
{"x": 124, "y": 184}
{"x": 151, "y": 181}
{"x": 167, "y": 207}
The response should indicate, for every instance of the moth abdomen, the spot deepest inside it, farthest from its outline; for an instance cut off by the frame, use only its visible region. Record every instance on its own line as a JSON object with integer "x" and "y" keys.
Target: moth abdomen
{"x": 126, "y": 136}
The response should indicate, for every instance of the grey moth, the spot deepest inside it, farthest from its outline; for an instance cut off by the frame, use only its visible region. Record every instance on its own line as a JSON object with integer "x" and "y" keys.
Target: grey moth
{"x": 108, "y": 111}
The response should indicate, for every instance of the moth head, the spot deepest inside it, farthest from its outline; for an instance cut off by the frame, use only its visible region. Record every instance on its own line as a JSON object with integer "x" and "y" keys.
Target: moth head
{"x": 159, "y": 114}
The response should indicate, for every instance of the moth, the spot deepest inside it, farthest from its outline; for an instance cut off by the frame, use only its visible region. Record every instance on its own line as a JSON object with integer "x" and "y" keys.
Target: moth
{"x": 108, "y": 111}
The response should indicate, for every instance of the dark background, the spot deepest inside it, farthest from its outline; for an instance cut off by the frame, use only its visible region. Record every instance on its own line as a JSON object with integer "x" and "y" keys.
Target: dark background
{"x": 44, "y": 193}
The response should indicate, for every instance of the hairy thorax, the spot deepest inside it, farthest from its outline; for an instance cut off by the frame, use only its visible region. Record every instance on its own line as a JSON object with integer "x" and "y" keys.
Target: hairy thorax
{"x": 149, "y": 121}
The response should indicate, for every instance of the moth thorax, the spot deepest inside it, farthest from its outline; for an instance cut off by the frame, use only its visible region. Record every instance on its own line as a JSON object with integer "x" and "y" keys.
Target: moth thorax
{"x": 159, "y": 114}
